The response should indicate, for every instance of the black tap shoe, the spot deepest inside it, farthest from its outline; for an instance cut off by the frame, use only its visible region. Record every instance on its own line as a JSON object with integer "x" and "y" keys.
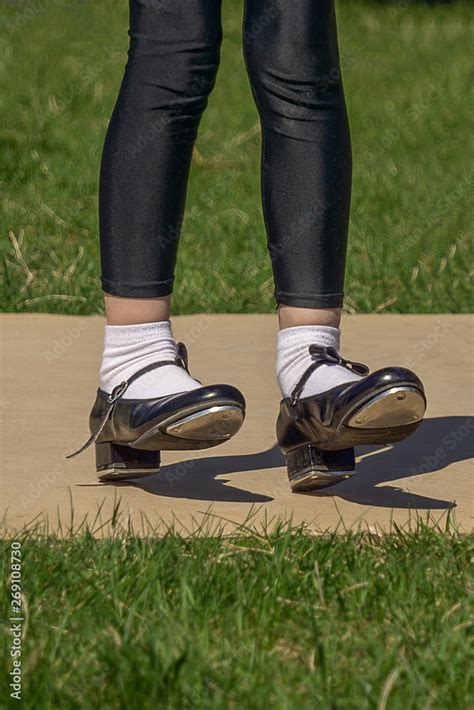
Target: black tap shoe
{"x": 317, "y": 434}
{"x": 130, "y": 433}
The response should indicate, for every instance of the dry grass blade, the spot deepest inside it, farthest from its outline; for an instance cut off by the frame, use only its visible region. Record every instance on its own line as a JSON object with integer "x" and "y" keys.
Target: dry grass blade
{"x": 387, "y": 687}
{"x": 319, "y": 585}
{"x": 385, "y": 304}
{"x": 359, "y": 585}
{"x": 53, "y": 214}
{"x": 16, "y": 243}
{"x": 244, "y": 136}
{"x": 243, "y": 548}
{"x": 72, "y": 267}
{"x": 50, "y": 297}
{"x": 216, "y": 162}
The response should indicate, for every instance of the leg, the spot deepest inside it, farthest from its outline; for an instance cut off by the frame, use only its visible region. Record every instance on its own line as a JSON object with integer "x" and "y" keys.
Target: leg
{"x": 171, "y": 70}
{"x": 172, "y": 65}
{"x": 329, "y": 405}
{"x": 293, "y": 64}
{"x": 147, "y": 400}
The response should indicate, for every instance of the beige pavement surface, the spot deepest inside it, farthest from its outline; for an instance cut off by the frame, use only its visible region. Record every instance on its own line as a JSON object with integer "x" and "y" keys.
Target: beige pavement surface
{"x": 48, "y": 380}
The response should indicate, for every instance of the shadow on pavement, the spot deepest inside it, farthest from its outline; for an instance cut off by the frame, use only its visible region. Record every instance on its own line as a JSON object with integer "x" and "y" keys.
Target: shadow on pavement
{"x": 437, "y": 443}
{"x": 196, "y": 478}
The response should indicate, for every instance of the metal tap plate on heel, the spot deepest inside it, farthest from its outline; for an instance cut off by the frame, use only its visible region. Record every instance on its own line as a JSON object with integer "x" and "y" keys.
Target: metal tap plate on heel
{"x": 114, "y": 462}
{"x": 310, "y": 468}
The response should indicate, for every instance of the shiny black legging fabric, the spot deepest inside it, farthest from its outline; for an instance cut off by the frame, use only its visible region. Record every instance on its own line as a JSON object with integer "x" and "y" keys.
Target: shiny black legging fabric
{"x": 291, "y": 53}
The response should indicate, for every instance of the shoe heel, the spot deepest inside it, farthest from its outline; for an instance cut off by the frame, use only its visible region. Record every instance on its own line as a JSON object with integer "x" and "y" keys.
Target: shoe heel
{"x": 114, "y": 461}
{"x": 310, "y": 468}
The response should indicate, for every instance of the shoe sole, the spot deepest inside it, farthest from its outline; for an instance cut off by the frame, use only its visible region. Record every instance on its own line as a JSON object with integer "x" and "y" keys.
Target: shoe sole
{"x": 387, "y": 418}
{"x": 199, "y": 427}
{"x": 114, "y": 461}
{"x": 189, "y": 430}
{"x": 214, "y": 424}
{"x": 310, "y": 468}
{"x": 396, "y": 407}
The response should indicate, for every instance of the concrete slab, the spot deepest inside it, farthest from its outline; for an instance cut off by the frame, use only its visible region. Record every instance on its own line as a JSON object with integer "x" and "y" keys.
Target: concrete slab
{"x": 48, "y": 380}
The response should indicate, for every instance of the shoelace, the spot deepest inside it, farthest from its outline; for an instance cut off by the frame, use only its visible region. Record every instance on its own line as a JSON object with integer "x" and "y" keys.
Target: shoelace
{"x": 322, "y": 355}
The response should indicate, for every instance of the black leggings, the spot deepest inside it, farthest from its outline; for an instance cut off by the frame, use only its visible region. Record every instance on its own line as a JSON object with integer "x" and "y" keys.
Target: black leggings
{"x": 292, "y": 59}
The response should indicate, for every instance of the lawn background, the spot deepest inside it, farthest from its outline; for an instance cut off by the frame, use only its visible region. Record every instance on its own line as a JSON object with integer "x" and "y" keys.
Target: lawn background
{"x": 408, "y": 78}
{"x": 278, "y": 619}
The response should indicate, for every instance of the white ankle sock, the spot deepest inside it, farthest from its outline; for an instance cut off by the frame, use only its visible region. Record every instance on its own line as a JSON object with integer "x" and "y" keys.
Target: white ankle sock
{"x": 293, "y": 359}
{"x": 128, "y": 348}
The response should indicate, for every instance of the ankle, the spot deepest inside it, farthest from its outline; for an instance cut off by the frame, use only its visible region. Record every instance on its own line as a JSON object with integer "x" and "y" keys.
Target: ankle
{"x": 136, "y": 311}
{"x": 290, "y": 316}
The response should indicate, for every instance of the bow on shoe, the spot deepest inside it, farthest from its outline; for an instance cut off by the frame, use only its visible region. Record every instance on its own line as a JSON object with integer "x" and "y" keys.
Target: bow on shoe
{"x": 322, "y": 355}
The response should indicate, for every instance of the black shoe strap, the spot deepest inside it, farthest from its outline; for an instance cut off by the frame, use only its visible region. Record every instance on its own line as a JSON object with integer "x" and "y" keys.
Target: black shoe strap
{"x": 322, "y": 355}
{"x": 118, "y": 392}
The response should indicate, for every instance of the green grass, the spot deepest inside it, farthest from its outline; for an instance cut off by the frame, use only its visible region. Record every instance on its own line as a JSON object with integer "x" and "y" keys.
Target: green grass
{"x": 407, "y": 72}
{"x": 263, "y": 620}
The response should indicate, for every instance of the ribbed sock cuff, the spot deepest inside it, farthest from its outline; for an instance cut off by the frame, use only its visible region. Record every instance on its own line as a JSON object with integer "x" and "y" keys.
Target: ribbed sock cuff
{"x": 119, "y": 335}
{"x": 306, "y": 335}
